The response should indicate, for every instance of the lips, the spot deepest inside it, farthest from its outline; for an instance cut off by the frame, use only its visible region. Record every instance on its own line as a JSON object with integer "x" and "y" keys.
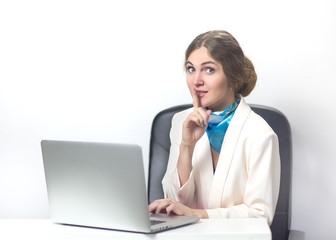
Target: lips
{"x": 201, "y": 93}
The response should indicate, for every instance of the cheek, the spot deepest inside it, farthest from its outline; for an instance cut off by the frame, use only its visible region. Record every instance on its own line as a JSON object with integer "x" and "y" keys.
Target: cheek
{"x": 218, "y": 84}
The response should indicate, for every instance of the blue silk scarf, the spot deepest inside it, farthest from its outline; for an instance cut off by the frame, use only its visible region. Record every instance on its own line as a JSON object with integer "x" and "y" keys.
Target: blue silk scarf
{"x": 218, "y": 125}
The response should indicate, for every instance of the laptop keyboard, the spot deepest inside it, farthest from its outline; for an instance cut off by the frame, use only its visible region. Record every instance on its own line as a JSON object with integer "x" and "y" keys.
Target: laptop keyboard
{"x": 154, "y": 222}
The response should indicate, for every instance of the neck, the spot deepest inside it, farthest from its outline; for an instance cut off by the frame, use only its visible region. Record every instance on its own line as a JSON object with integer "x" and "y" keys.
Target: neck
{"x": 229, "y": 100}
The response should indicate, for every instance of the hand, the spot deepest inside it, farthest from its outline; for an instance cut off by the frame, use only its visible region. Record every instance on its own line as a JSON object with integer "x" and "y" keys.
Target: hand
{"x": 171, "y": 206}
{"x": 196, "y": 123}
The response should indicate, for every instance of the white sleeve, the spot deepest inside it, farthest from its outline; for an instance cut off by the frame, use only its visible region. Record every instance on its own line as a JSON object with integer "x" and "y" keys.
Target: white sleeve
{"x": 170, "y": 182}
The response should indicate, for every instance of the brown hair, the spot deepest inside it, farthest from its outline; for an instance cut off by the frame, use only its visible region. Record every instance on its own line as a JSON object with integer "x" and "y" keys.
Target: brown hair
{"x": 224, "y": 48}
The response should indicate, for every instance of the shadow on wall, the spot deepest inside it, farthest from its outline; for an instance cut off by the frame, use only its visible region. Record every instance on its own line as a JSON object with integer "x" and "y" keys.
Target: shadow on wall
{"x": 296, "y": 235}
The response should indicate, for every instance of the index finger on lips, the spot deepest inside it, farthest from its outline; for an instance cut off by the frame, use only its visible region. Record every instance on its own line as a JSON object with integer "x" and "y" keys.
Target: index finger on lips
{"x": 195, "y": 98}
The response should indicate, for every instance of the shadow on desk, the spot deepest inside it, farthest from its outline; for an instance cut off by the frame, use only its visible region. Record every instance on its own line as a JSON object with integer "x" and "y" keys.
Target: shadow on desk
{"x": 296, "y": 235}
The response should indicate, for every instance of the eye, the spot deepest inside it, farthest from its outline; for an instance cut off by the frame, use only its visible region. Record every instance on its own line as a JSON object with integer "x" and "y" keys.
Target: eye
{"x": 209, "y": 70}
{"x": 191, "y": 69}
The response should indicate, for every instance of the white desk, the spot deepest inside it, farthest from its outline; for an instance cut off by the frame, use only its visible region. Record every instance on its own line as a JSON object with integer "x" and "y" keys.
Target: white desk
{"x": 230, "y": 229}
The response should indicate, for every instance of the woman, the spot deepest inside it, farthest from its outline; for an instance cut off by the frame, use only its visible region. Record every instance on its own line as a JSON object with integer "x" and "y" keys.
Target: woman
{"x": 224, "y": 159}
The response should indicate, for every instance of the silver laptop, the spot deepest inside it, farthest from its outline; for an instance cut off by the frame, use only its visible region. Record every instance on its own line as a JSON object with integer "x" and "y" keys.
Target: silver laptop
{"x": 101, "y": 185}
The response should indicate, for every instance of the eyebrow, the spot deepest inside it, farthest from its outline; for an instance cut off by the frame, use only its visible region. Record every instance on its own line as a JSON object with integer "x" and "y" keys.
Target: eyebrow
{"x": 209, "y": 62}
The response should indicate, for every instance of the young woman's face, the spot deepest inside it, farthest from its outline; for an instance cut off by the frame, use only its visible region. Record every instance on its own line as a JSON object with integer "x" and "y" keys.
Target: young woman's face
{"x": 206, "y": 76}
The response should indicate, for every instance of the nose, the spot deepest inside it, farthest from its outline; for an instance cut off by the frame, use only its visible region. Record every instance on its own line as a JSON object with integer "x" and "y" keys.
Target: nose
{"x": 198, "y": 80}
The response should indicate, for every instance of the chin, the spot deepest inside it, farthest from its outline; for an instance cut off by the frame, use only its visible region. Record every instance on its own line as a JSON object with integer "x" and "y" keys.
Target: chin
{"x": 204, "y": 104}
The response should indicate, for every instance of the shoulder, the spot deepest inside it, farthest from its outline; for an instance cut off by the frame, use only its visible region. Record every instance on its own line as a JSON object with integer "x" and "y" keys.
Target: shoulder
{"x": 177, "y": 124}
{"x": 181, "y": 116}
{"x": 253, "y": 125}
{"x": 257, "y": 123}
{"x": 257, "y": 138}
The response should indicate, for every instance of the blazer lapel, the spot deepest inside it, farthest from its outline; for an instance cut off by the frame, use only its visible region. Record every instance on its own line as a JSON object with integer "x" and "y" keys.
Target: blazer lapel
{"x": 204, "y": 159}
{"x": 227, "y": 153}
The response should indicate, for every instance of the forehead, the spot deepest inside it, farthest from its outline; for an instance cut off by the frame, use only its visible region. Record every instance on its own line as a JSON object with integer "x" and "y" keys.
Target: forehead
{"x": 200, "y": 56}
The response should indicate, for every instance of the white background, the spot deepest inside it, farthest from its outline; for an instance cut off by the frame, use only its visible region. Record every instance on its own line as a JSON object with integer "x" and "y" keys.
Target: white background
{"x": 101, "y": 70}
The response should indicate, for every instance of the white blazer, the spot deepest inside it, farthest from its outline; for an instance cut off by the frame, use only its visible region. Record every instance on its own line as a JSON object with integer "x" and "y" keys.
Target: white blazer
{"x": 247, "y": 178}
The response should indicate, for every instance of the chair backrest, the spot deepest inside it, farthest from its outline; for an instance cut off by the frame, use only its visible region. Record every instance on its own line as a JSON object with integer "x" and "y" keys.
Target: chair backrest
{"x": 159, "y": 153}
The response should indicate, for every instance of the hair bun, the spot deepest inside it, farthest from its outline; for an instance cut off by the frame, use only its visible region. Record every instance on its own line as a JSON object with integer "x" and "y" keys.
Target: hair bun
{"x": 250, "y": 78}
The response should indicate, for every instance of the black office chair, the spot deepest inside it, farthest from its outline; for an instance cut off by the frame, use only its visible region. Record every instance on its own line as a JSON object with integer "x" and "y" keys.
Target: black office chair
{"x": 159, "y": 152}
